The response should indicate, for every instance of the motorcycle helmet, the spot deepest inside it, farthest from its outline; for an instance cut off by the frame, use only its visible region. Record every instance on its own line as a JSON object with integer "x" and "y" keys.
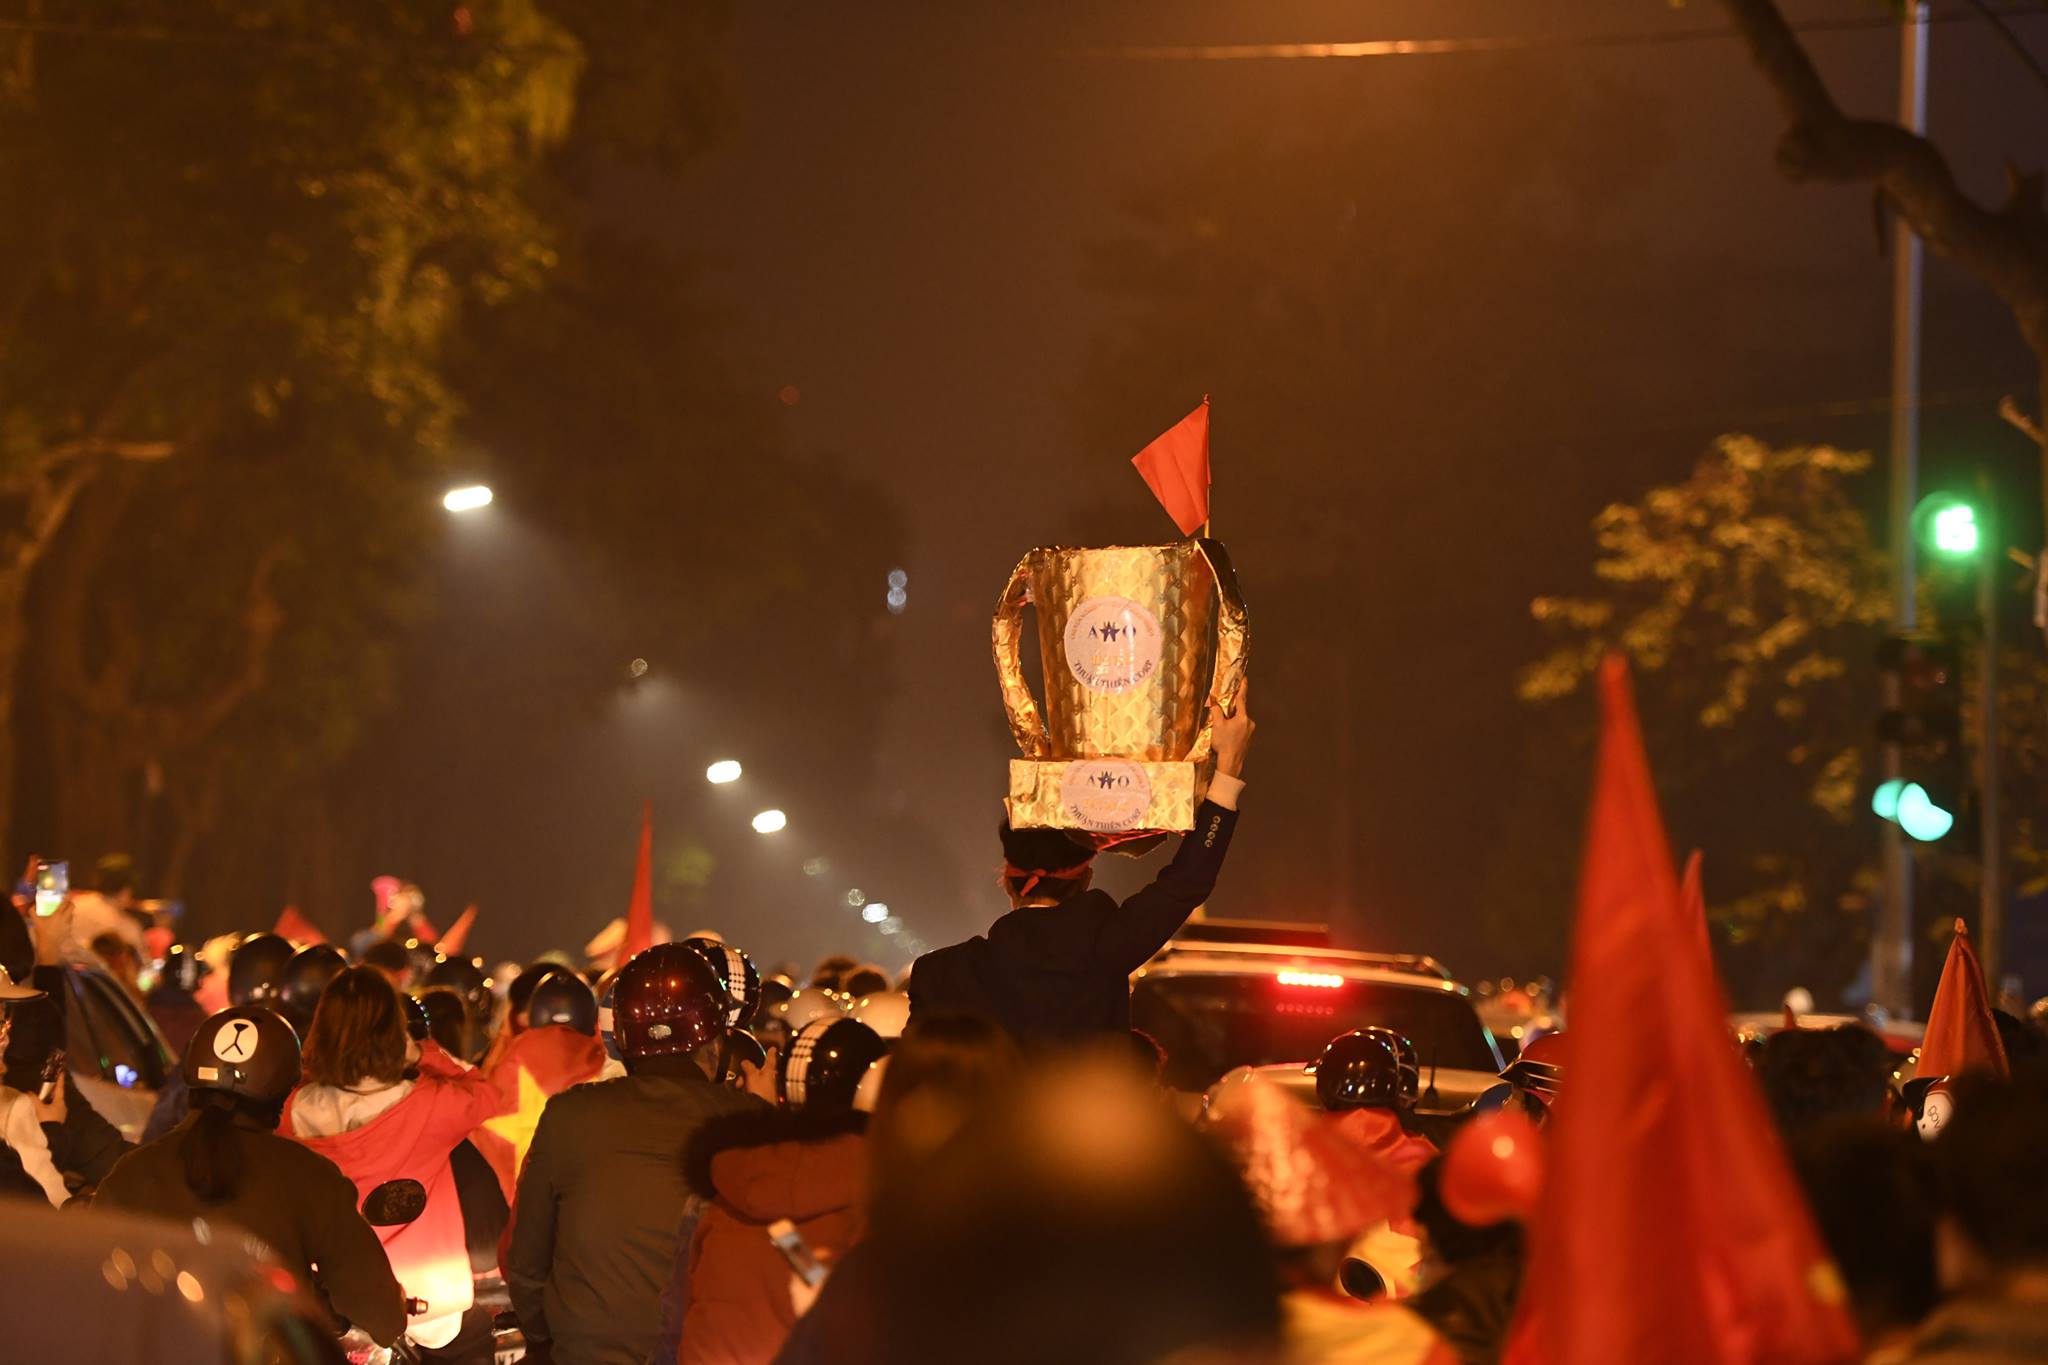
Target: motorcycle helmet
{"x": 736, "y": 972}
{"x": 417, "y": 1025}
{"x": 886, "y": 1012}
{"x": 245, "y": 1050}
{"x": 812, "y": 1002}
{"x": 826, "y": 1062}
{"x": 561, "y": 998}
{"x": 183, "y": 968}
{"x": 667, "y": 1002}
{"x": 466, "y": 976}
{"x": 305, "y": 975}
{"x": 448, "y": 1019}
{"x": 605, "y": 989}
{"x": 520, "y": 992}
{"x": 1368, "y": 1068}
{"x": 254, "y": 969}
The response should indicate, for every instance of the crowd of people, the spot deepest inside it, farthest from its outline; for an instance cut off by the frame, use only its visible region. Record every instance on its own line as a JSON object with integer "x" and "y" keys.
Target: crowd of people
{"x": 676, "y": 1156}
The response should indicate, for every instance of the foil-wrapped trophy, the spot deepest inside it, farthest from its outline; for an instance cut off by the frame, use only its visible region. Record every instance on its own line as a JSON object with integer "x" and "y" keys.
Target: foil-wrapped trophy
{"x": 1136, "y": 642}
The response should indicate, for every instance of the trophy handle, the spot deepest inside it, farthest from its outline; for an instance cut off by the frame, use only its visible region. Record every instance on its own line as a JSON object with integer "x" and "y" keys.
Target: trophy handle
{"x": 1233, "y": 641}
{"x": 1026, "y": 724}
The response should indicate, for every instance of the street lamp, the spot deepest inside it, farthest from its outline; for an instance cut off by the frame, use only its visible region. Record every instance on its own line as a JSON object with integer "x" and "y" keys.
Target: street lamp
{"x": 723, "y": 771}
{"x": 770, "y": 822}
{"x": 467, "y": 499}
{"x": 874, "y": 912}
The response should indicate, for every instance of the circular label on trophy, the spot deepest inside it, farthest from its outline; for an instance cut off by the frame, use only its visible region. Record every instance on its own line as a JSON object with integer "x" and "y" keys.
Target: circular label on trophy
{"x": 1107, "y": 795}
{"x": 1112, "y": 644}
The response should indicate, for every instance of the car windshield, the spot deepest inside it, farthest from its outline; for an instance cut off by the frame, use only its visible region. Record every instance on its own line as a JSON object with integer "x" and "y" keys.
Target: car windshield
{"x": 1210, "y": 1024}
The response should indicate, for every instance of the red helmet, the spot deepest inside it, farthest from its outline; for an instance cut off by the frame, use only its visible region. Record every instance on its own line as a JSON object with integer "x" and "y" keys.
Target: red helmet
{"x": 1540, "y": 1068}
{"x": 667, "y": 1002}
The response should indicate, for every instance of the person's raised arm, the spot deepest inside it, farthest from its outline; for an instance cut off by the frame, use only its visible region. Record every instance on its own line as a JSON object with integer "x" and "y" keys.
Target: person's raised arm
{"x": 1130, "y": 935}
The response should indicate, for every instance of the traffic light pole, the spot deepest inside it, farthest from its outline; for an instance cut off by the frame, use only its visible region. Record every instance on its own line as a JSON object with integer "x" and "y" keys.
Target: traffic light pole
{"x": 1891, "y": 939}
{"x": 1991, "y": 885}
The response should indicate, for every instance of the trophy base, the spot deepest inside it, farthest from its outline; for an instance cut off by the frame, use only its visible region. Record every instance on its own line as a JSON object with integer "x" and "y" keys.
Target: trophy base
{"x": 1113, "y": 796}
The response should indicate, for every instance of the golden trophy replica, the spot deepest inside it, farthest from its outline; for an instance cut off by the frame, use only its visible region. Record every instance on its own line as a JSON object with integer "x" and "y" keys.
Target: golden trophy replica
{"x": 1136, "y": 641}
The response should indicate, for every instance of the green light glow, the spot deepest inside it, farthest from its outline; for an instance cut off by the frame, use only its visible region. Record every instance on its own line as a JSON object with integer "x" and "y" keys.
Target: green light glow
{"x": 1955, "y": 529}
{"x": 1884, "y": 802}
{"x": 1920, "y": 817}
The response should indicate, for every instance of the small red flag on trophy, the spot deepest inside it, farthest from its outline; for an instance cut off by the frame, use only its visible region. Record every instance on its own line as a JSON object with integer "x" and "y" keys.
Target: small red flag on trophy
{"x": 1176, "y": 468}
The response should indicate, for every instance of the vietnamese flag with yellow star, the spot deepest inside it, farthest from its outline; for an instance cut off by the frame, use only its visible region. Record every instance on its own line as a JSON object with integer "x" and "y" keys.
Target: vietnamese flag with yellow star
{"x": 535, "y": 1065}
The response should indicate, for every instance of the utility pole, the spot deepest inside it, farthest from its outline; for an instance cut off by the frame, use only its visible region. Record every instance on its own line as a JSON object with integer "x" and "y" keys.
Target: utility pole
{"x": 1891, "y": 940}
{"x": 1991, "y": 883}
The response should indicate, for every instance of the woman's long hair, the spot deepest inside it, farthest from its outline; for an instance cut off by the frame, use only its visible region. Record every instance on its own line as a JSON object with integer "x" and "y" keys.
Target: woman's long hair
{"x": 358, "y": 1032}
{"x": 211, "y": 1152}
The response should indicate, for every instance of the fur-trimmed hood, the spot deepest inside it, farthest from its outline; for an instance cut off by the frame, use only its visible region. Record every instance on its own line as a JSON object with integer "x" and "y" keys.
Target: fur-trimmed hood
{"x": 733, "y": 1157}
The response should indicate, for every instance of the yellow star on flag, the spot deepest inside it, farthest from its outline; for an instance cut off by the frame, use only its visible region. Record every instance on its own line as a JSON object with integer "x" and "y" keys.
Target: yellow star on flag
{"x": 517, "y": 1126}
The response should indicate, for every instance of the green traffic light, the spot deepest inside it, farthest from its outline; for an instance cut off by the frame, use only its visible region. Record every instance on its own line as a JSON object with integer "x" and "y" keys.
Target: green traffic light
{"x": 1955, "y": 529}
{"x": 1920, "y": 817}
{"x": 1884, "y": 802}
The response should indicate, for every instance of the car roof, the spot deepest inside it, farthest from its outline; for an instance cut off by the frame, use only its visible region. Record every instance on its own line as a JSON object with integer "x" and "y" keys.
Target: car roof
{"x": 1183, "y": 957}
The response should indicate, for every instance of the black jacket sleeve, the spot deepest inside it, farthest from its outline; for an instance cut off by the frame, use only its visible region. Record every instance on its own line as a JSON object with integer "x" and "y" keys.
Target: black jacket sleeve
{"x": 1141, "y": 926}
{"x": 85, "y": 1144}
{"x": 354, "y": 1273}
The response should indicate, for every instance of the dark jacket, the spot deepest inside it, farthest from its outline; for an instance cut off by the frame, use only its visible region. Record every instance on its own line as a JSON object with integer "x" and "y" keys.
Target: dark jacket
{"x": 754, "y": 1169}
{"x": 291, "y": 1198}
{"x": 1472, "y": 1306}
{"x": 600, "y": 1199}
{"x": 84, "y": 1146}
{"x": 1982, "y": 1330}
{"x": 1059, "y": 973}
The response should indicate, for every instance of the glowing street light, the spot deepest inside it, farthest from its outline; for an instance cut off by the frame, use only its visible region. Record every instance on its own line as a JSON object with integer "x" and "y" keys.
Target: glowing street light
{"x": 467, "y": 499}
{"x": 770, "y": 822}
{"x": 724, "y": 771}
{"x": 874, "y": 912}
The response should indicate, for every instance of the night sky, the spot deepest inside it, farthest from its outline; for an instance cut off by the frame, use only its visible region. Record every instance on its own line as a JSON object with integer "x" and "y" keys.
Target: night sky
{"x": 901, "y": 216}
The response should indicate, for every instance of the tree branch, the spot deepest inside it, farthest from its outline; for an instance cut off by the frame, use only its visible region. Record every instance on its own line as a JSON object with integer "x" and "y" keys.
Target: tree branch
{"x": 2002, "y": 247}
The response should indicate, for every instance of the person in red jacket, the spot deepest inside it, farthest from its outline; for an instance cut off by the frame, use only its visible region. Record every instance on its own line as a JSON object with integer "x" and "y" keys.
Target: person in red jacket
{"x": 382, "y": 1107}
{"x": 799, "y": 1170}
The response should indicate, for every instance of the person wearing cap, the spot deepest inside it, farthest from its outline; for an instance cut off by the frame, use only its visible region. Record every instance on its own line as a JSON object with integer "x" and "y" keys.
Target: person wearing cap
{"x": 82, "y": 1144}
{"x": 1057, "y": 968}
{"x": 225, "y": 1162}
{"x": 22, "y": 1116}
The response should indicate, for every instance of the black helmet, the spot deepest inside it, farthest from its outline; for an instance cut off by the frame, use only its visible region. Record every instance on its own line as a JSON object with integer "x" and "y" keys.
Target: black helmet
{"x": 305, "y": 975}
{"x": 253, "y": 970}
{"x": 244, "y": 1050}
{"x": 466, "y": 976}
{"x": 416, "y": 1025}
{"x": 737, "y": 974}
{"x": 520, "y": 992}
{"x": 1368, "y": 1068}
{"x": 388, "y": 956}
{"x": 825, "y": 1063}
{"x": 562, "y": 998}
{"x": 667, "y": 1002}
{"x": 448, "y": 1019}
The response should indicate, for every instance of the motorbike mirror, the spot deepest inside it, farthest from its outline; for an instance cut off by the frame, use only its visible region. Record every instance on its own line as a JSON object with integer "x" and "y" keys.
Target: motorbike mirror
{"x": 394, "y": 1203}
{"x": 1360, "y": 1280}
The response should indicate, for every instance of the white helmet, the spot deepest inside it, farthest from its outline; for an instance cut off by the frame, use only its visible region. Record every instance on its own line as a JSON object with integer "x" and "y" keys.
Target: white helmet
{"x": 886, "y": 1012}
{"x": 801, "y": 1008}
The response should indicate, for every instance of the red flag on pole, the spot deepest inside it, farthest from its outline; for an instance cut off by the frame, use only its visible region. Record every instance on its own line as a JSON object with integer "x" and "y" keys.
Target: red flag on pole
{"x": 1670, "y": 1227}
{"x": 1176, "y": 469}
{"x": 296, "y": 927}
{"x": 1961, "y": 1034}
{"x": 639, "y": 936}
{"x": 457, "y": 935}
{"x": 1692, "y": 892}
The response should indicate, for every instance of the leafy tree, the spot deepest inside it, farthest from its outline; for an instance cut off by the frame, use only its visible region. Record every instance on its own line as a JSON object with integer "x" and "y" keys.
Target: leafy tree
{"x": 240, "y": 239}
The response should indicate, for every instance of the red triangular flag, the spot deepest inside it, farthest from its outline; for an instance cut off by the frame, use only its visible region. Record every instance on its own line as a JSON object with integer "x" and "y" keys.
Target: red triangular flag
{"x": 639, "y": 935}
{"x": 1692, "y": 893}
{"x": 1670, "y": 1227}
{"x": 457, "y": 935}
{"x": 1176, "y": 469}
{"x": 296, "y": 927}
{"x": 1961, "y": 1034}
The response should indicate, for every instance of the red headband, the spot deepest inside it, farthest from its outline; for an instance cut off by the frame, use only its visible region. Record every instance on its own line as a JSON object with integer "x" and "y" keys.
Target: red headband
{"x": 1033, "y": 877}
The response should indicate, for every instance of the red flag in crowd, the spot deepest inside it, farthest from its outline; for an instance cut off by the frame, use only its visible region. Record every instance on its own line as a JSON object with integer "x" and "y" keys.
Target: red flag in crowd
{"x": 1692, "y": 893}
{"x": 534, "y": 1066}
{"x": 458, "y": 934}
{"x": 296, "y": 927}
{"x": 1176, "y": 469}
{"x": 1670, "y": 1227}
{"x": 639, "y": 935}
{"x": 1961, "y": 1034}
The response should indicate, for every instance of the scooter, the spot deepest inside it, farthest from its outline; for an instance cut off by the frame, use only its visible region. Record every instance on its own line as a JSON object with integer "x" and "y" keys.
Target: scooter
{"x": 394, "y": 1204}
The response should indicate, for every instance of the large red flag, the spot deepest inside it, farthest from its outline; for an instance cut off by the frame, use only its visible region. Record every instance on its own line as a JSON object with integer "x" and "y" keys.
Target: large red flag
{"x": 1961, "y": 1034}
{"x": 458, "y": 934}
{"x": 296, "y": 927}
{"x": 1670, "y": 1227}
{"x": 639, "y": 936}
{"x": 534, "y": 1067}
{"x": 1176, "y": 469}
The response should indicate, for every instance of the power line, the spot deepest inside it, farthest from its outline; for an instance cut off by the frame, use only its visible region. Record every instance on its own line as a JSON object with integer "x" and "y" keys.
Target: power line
{"x": 1531, "y": 42}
